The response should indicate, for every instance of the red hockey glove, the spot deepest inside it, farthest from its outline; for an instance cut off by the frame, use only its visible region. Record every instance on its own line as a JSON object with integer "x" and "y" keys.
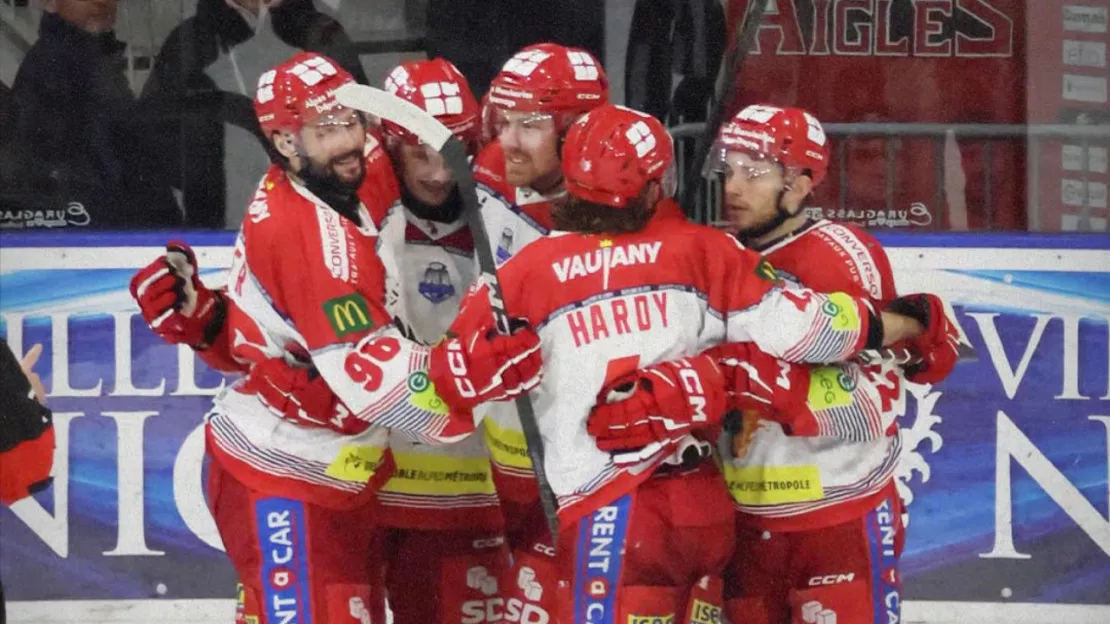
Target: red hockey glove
{"x": 806, "y": 399}
{"x": 760, "y": 382}
{"x": 658, "y": 404}
{"x": 486, "y": 366}
{"x": 938, "y": 347}
{"x": 174, "y": 302}
{"x": 300, "y": 395}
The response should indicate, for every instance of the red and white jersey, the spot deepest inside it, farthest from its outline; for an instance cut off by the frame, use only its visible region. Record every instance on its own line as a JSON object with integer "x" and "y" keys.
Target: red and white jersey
{"x": 309, "y": 282}
{"x": 606, "y": 306}
{"x": 435, "y": 487}
{"x": 782, "y": 482}
{"x": 514, "y": 218}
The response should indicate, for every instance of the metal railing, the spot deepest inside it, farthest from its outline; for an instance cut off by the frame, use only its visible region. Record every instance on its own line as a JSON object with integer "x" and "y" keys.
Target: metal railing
{"x": 706, "y": 209}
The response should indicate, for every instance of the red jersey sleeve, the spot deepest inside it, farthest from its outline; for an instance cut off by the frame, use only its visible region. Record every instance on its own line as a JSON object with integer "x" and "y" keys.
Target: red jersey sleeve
{"x": 796, "y": 325}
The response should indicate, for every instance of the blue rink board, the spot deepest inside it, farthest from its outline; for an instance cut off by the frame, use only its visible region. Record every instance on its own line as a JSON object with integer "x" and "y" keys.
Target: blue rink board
{"x": 1057, "y": 458}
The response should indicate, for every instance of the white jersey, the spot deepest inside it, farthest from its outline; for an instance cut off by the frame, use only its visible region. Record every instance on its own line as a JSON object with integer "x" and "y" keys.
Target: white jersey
{"x": 607, "y": 306}
{"x": 514, "y": 217}
{"x": 435, "y": 486}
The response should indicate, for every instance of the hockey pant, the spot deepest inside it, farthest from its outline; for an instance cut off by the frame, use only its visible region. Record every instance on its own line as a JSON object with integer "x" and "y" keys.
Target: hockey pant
{"x": 296, "y": 562}
{"x": 442, "y": 576}
{"x": 843, "y": 574}
{"x": 530, "y": 587}
{"x": 653, "y": 556}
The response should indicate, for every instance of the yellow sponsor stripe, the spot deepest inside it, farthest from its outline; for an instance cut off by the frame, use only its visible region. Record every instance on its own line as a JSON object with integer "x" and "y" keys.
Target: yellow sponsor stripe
{"x": 356, "y": 463}
{"x": 506, "y": 446}
{"x": 439, "y": 475}
{"x": 773, "y": 485}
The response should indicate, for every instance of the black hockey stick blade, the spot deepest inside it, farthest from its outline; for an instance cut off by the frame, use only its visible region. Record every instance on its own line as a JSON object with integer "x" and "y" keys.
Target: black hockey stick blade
{"x": 416, "y": 120}
{"x": 736, "y": 53}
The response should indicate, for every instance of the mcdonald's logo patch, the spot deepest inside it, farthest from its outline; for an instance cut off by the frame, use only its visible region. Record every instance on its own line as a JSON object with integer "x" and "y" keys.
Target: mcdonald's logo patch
{"x": 765, "y": 271}
{"x": 348, "y": 314}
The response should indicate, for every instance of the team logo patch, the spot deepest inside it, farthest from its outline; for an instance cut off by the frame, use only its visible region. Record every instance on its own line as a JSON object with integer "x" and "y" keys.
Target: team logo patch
{"x": 505, "y": 246}
{"x": 348, "y": 314}
{"x": 280, "y": 523}
{"x": 436, "y": 285}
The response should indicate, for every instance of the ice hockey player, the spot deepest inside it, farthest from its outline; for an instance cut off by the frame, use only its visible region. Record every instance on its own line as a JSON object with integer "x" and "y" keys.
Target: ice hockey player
{"x": 531, "y": 103}
{"x": 627, "y": 284}
{"x": 26, "y": 428}
{"x": 832, "y": 544}
{"x": 306, "y": 285}
{"x": 441, "y": 529}
{"x": 26, "y": 431}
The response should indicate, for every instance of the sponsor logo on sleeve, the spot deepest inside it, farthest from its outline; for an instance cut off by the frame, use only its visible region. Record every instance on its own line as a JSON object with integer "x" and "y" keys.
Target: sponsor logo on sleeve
{"x": 348, "y": 314}
{"x": 766, "y": 272}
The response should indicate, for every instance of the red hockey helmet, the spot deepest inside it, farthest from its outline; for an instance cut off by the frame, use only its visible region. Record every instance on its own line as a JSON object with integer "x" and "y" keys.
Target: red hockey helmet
{"x": 550, "y": 78}
{"x": 612, "y": 152}
{"x": 790, "y": 137}
{"x": 439, "y": 88}
{"x": 298, "y": 91}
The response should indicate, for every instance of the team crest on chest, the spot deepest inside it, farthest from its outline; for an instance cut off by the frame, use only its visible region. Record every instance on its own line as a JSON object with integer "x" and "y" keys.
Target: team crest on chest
{"x": 436, "y": 285}
{"x": 505, "y": 246}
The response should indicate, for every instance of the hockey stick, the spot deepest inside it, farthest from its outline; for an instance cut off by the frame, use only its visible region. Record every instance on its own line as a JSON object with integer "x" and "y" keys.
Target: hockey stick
{"x": 417, "y": 121}
{"x": 737, "y": 52}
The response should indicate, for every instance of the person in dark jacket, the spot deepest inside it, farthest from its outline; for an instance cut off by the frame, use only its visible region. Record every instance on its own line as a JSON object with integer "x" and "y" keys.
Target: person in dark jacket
{"x": 75, "y": 153}
{"x": 202, "y": 86}
{"x": 478, "y": 36}
{"x": 26, "y": 431}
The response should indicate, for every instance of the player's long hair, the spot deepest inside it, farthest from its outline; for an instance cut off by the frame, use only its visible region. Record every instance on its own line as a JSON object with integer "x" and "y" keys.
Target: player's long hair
{"x": 573, "y": 214}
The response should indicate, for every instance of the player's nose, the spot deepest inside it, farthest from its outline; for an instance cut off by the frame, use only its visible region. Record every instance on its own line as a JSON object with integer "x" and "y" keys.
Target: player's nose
{"x": 736, "y": 186}
{"x": 440, "y": 175}
{"x": 509, "y": 137}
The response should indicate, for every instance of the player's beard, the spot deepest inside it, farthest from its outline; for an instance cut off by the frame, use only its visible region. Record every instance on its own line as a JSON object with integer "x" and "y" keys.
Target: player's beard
{"x": 323, "y": 180}
{"x": 761, "y": 227}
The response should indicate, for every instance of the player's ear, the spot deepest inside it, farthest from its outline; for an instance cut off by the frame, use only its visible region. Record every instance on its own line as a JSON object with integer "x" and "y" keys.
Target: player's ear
{"x": 798, "y": 190}
{"x": 285, "y": 142}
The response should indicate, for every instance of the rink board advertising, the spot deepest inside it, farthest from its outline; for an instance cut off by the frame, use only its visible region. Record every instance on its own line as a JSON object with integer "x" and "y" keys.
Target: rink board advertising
{"x": 1005, "y": 469}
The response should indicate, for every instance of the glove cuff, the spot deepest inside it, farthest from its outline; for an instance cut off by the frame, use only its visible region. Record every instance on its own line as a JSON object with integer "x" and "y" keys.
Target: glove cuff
{"x": 214, "y": 326}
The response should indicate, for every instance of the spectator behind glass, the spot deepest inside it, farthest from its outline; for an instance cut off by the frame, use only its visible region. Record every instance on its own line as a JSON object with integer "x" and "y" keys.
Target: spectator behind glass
{"x": 478, "y": 36}
{"x": 75, "y": 154}
{"x": 202, "y": 86}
